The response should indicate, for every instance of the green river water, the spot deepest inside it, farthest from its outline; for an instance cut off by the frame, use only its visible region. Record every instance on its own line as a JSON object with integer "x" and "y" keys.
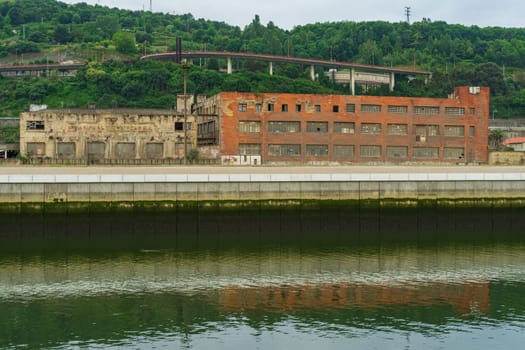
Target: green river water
{"x": 307, "y": 277}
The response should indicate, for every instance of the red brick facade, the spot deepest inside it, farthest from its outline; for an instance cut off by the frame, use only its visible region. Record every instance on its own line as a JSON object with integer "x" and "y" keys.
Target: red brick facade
{"x": 304, "y": 128}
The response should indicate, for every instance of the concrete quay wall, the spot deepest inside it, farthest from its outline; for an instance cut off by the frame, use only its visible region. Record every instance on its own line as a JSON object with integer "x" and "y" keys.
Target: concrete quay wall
{"x": 389, "y": 189}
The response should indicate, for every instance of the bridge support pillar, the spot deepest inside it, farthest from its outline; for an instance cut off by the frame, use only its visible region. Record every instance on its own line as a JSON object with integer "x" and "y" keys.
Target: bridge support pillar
{"x": 271, "y": 68}
{"x": 230, "y": 65}
{"x": 392, "y": 81}
{"x": 352, "y": 81}
{"x": 312, "y": 72}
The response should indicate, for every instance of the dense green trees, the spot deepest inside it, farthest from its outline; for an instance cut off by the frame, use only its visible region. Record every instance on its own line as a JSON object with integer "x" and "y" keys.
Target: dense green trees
{"x": 145, "y": 84}
{"x": 125, "y": 43}
{"x": 456, "y": 55}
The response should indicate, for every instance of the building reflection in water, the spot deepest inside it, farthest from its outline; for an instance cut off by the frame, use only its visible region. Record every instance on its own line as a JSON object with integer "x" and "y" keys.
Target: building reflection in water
{"x": 127, "y": 278}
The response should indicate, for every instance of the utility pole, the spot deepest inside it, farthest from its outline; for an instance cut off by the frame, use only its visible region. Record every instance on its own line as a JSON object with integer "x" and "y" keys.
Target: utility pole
{"x": 407, "y": 13}
{"x": 185, "y": 67}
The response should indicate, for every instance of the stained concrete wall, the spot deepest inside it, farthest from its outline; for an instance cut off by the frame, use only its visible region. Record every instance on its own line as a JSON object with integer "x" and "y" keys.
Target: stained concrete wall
{"x": 507, "y": 158}
{"x": 124, "y": 134}
{"x": 387, "y": 192}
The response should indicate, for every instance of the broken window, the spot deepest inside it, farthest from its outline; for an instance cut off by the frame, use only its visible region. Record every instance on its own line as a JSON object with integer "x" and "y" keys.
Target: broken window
{"x": 298, "y": 107}
{"x": 284, "y": 150}
{"x": 125, "y": 150}
{"x": 455, "y": 110}
{"x": 453, "y": 153}
{"x": 317, "y": 150}
{"x": 344, "y": 151}
{"x": 396, "y": 151}
{"x": 96, "y": 150}
{"x": 344, "y": 128}
{"x": 370, "y": 128}
{"x": 284, "y": 108}
{"x": 35, "y": 125}
{"x": 284, "y": 126}
{"x": 350, "y": 108}
{"x": 397, "y": 129}
{"x": 370, "y": 108}
{"x": 179, "y": 126}
{"x": 454, "y": 130}
{"x": 271, "y": 107}
{"x": 258, "y": 107}
{"x": 66, "y": 150}
{"x": 242, "y": 107}
{"x": 425, "y": 152}
{"x": 249, "y": 126}
{"x": 154, "y": 150}
{"x": 398, "y": 109}
{"x": 318, "y": 108}
{"x": 179, "y": 149}
{"x": 426, "y": 130}
{"x": 317, "y": 126}
{"x": 36, "y": 149}
{"x": 335, "y": 109}
{"x": 426, "y": 110}
{"x": 250, "y": 149}
{"x": 370, "y": 151}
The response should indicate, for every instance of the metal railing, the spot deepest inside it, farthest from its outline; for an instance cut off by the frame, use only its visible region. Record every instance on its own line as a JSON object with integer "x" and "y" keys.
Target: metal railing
{"x": 113, "y": 162}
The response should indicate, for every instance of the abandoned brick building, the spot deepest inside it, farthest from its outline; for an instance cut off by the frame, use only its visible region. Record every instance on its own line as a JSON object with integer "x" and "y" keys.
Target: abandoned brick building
{"x": 249, "y": 128}
{"x": 95, "y": 134}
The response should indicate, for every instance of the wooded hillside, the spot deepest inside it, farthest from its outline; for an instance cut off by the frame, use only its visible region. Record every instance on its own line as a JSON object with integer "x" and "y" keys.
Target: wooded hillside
{"x": 112, "y": 40}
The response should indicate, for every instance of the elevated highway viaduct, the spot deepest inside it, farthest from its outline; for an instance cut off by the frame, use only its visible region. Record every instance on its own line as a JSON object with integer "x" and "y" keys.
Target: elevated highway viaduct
{"x": 357, "y": 72}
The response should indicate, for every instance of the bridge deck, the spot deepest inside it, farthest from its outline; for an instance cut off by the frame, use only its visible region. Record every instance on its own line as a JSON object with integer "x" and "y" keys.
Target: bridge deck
{"x": 283, "y": 59}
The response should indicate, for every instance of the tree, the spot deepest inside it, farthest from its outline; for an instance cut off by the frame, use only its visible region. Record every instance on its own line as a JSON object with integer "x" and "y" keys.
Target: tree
{"x": 489, "y": 74}
{"x": 62, "y": 35}
{"x": 496, "y": 137}
{"x": 108, "y": 25}
{"x": 370, "y": 52}
{"x": 125, "y": 43}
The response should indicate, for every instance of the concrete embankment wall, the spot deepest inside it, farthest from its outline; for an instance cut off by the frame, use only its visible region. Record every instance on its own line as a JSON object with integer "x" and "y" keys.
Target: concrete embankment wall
{"x": 388, "y": 189}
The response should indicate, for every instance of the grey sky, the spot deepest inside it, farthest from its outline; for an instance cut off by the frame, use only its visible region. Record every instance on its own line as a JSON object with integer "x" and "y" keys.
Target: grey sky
{"x": 287, "y": 14}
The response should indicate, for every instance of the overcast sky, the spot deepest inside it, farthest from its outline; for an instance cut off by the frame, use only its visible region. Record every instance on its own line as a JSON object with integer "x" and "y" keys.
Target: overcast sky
{"x": 289, "y": 13}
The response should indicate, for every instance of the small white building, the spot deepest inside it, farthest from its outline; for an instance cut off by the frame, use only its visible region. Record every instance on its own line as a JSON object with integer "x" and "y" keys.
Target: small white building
{"x": 518, "y": 143}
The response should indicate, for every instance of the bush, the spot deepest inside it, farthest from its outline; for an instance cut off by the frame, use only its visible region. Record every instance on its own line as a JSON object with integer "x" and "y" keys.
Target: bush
{"x": 193, "y": 155}
{"x": 9, "y": 134}
{"x": 23, "y": 47}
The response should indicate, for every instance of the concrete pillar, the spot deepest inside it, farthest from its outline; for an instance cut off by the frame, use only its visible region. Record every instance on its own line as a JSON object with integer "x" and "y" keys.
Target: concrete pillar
{"x": 51, "y": 149}
{"x": 81, "y": 149}
{"x": 392, "y": 81}
{"x": 229, "y": 65}
{"x": 271, "y": 68}
{"x": 352, "y": 81}
{"x": 312, "y": 72}
{"x": 428, "y": 78}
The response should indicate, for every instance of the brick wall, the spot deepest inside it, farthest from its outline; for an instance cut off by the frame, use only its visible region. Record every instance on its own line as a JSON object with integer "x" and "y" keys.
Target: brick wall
{"x": 437, "y": 130}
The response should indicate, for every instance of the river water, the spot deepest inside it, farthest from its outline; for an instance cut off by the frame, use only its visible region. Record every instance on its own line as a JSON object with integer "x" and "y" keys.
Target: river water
{"x": 281, "y": 280}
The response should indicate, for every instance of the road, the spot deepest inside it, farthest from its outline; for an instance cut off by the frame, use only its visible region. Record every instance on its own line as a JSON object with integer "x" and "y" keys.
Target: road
{"x": 39, "y": 170}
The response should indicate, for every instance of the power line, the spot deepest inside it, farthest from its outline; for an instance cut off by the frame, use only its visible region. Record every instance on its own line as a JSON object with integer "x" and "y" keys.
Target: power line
{"x": 407, "y": 13}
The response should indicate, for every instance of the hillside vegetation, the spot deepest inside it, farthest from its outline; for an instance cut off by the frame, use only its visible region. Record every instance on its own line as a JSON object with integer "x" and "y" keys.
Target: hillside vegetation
{"x": 112, "y": 40}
